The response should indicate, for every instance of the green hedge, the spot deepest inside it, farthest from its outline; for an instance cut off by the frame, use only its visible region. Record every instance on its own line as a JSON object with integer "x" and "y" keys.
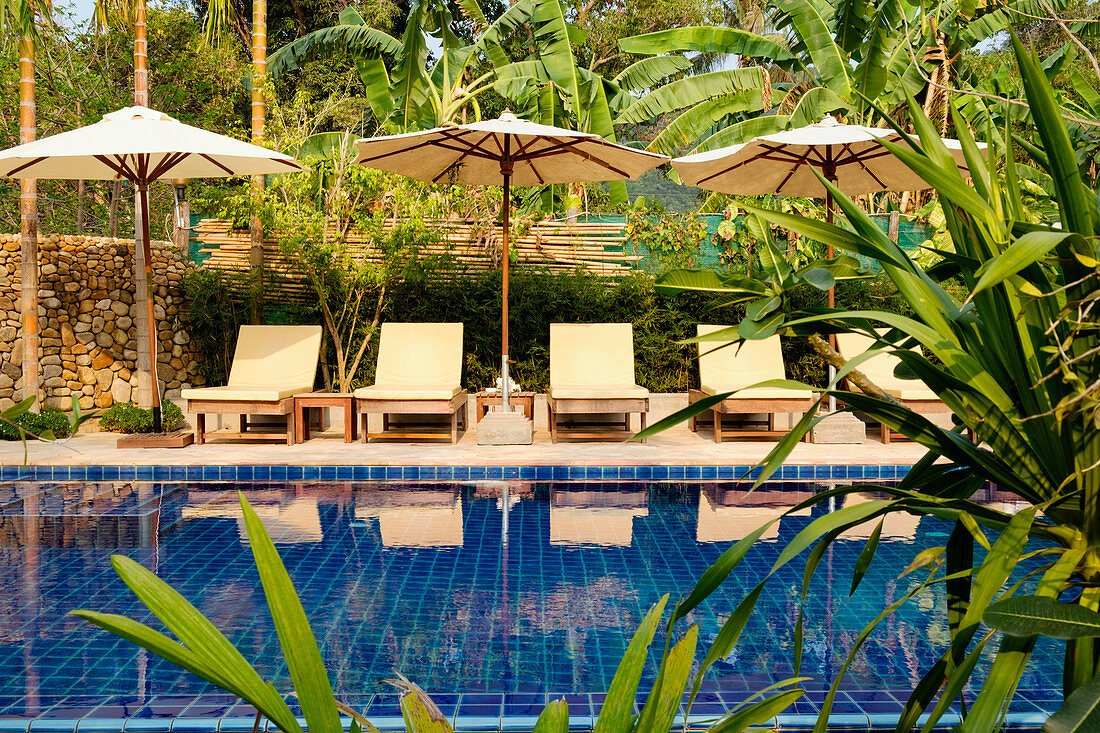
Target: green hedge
{"x": 47, "y": 421}
{"x": 126, "y": 417}
{"x": 537, "y": 300}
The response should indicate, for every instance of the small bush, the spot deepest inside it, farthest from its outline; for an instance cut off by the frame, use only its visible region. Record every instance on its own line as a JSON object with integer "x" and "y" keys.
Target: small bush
{"x": 53, "y": 421}
{"x": 126, "y": 417}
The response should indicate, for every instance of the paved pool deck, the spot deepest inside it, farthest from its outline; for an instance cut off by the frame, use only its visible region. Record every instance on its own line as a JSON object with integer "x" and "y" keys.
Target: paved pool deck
{"x": 677, "y": 447}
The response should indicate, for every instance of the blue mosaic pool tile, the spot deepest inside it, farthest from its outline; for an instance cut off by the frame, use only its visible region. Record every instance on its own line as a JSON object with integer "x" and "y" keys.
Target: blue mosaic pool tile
{"x": 100, "y": 725}
{"x": 14, "y": 725}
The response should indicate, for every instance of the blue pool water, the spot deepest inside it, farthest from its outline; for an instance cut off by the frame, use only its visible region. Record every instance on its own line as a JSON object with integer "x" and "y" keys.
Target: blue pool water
{"x": 500, "y": 592}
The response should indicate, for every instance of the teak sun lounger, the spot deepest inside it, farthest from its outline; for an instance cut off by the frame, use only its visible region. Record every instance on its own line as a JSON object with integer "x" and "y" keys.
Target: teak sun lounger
{"x": 724, "y": 368}
{"x": 911, "y": 393}
{"x": 592, "y": 372}
{"x": 419, "y": 373}
{"x": 270, "y": 365}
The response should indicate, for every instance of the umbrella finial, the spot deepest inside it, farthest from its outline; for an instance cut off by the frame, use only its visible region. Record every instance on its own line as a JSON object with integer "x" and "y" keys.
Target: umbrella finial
{"x": 508, "y": 116}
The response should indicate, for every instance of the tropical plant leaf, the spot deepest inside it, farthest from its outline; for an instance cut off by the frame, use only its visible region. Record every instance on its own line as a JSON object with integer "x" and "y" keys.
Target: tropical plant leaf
{"x": 616, "y": 715}
{"x": 303, "y": 658}
{"x": 689, "y": 91}
{"x": 1038, "y": 616}
{"x": 708, "y": 39}
{"x": 554, "y": 718}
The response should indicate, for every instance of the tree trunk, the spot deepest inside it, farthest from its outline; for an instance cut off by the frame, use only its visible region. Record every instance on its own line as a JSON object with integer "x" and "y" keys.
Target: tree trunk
{"x": 259, "y": 112}
{"x": 28, "y": 220}
{"x": 145, "y": 350}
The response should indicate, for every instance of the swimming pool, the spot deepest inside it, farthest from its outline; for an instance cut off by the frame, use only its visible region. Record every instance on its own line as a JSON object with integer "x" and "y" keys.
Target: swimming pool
{"x": 489, "y": 594}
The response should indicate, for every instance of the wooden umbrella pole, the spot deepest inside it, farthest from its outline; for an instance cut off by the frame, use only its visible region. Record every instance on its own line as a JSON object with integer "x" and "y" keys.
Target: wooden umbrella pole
{"x": 151, "y": 323}
{"x": 505, "y": 382}
{"x": 832, "y": 294}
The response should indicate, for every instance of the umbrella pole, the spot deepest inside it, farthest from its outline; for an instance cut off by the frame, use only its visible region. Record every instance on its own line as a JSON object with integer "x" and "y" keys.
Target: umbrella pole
{"x": 151, "y": 323}
{"x": 505, "y": 382}
{"x": 832, "y": 295}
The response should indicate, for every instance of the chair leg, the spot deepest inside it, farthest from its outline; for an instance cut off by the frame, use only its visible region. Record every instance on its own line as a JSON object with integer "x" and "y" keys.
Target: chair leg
{"x": 884, "y": 432}
{"x": 454, "y": 427}
{"x": 349, "y": 424}
{"x": 290, "y": 427}
{"x": 200, "y": 428}
{"x": 365, "y": 431}
{"x": 301, "y": 420}
{"x": 717, "y": 426}
{"x": 641, "y": 416}
{"x": 552, "y": 420}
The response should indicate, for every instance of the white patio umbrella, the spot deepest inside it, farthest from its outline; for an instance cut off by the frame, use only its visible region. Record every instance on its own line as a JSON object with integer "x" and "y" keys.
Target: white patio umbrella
{"x": 848, "y": 156}
{"x": 141, "y": 145}
{"x": 503, "y": 152}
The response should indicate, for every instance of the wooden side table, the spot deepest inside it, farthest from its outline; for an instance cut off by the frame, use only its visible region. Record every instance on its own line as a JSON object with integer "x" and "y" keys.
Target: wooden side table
{"x": 303, "y": 402}
{"x": 526, "y": 400}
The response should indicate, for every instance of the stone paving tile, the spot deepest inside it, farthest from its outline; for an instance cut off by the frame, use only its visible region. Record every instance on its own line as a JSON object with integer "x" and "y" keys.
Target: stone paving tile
{"x": 674, "y": 448}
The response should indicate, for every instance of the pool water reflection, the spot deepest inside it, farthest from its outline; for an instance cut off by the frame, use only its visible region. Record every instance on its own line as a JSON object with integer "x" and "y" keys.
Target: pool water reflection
{"x": 498, "y": 587}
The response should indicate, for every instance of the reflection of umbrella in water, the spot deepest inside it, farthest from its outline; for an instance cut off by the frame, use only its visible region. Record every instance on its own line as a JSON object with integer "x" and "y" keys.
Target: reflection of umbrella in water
{"x": 503, "y": 152}
{"x": 141, "y": 145}
{"x": 850, "y": 157}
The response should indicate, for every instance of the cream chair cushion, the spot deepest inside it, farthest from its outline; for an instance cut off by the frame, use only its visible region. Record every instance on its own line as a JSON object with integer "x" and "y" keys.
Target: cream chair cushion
{"x": 417, "y": 361}
{"x": 593, "y": 361}
{"x": 726, "y": 368}
{"x": 270, "y": 363}
{"x": 880, "y": 369}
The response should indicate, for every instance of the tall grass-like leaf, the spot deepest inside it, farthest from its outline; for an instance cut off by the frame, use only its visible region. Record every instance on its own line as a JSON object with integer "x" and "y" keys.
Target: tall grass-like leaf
{"x": 1080, "y": 713}
{"x": 204, "y": 650}
{"x": 303, "y": 658}
{"x": 618, "y": 707}
{"x": 554, "y": 718}
{"x": 421, "y": 714}
{"x": 866, "y": 557}
{"x": 667, "y": 694}
{"x": 1021, "y": 254}
{"x": 758, "y": 714}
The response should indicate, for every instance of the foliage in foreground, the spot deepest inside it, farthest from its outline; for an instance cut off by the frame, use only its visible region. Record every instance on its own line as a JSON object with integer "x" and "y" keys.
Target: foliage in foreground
{"x": 1016, "y": 361}
{"x": 203, "y": 650}
{"x": 127, "y": 417}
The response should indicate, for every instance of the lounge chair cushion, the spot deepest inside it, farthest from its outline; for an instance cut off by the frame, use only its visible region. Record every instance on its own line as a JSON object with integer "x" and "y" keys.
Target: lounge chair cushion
{"x": 418, "y": 360}
{"x": 759, "y": 393}
{"x": 269, "y": 363}
{"x": 399, "y": 392}
{"x": 232, "y": 394}
{"x": 593, "y": 361}
{"x": 726, "y": 368}
{"x": 880, "y": 369}
{"x": 610, "y": 392}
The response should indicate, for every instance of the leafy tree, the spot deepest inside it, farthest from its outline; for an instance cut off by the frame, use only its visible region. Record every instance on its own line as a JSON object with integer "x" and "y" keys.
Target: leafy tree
{"x": 1015, "y": 362}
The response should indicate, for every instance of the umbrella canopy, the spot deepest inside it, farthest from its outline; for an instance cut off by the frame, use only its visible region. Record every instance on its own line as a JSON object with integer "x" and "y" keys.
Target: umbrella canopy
{"x": 503, "y": 152}
{"x": 473, "y": 154}
{"x": 141, "y": 145}
{"x": 848, "y": 155}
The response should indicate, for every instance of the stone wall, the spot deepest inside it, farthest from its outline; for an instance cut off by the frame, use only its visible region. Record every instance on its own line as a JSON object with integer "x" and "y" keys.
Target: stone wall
{"x": 87, "y": 319}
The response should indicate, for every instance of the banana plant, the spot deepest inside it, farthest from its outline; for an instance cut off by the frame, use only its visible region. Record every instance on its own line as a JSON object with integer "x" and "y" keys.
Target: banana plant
{"x": 200, "y": 648}
{"x": 1016, "y": 362}
{"x": 851, "y": 57}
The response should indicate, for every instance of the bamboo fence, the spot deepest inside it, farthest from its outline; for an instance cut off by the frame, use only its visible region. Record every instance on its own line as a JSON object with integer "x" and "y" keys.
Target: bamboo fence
{"x": 469, "y": 246}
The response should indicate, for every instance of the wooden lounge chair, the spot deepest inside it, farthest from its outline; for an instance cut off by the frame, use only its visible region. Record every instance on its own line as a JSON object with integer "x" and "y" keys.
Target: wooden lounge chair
{"x": 912, "y": 393}
{"x": 592, "y": 372}
{"x": 734, "y": 367}
{"x": 270, "y": 365}
{"x": 419, "y": 373}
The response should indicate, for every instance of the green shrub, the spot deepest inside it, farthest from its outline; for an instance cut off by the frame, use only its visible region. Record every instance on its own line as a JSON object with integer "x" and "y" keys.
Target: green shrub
{"x": 126, "y": 417}
{"x": 55, "y": 422}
